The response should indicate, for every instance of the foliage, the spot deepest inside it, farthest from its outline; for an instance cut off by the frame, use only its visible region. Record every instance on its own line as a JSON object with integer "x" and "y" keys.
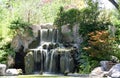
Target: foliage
{"x": 91, "y": 21}
{"x": 70, "y": 17}
{"x": 89, "y": 18}
{"x": 116, "y": 23}
{"x": 32, "y": 11}
{"x": 87, "y": 64}
{"x": 5, "y": 50}
{"x": 19, "y": 25}
{"x": 96, "y": 45}
{"x": 100, "y": 45}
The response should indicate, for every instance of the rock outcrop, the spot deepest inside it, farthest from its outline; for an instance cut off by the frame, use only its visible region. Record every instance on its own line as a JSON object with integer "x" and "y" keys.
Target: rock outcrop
{"x": 114, "y": 72}
{"x": 11, "y": 72}
{"x": 29, "y": 63}
{"x": 2, "y": 69}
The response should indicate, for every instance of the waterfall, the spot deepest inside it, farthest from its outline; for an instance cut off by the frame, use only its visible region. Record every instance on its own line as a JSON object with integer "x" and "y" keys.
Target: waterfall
{"x": 53, "y": 35}
{"x": 67, "y": 61}
{"x": 46, "y": 55}
{"x": 46, "y": 60}
{"x": 51, "y": 61}
{"x": 57, "y": 36}
{"x": 41, "y": 61}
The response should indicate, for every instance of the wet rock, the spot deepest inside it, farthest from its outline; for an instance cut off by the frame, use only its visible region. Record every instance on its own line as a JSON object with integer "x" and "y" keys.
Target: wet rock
{"x": 29, "y": 63}
{"x": 114, "y": 72}
{"x": 12, "y": 72}
{"x": 62, "y": 64}
{"x": 45, "y": 46}
{"x": 72, "y": 65}
{"x": 2, "y": 69}
{"x": 66, "y": 62}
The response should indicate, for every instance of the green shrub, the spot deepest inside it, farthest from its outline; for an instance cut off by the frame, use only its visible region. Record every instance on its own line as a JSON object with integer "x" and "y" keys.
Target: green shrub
{"x": 5, "y": 50}
{"x": 20, "y": 27}
{"x": 87, "y": 64}
{"x": 70, "y": 17}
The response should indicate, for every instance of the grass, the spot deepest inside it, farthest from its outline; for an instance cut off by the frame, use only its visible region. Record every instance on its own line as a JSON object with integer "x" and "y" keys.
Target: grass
{"x": 38, "y": 76}
{"x": 34, "y": 76}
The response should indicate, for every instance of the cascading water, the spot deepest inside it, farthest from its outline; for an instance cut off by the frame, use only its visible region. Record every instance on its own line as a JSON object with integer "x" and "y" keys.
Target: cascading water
{"x": 46, "y": 59}
{"x": 51, "y": 61}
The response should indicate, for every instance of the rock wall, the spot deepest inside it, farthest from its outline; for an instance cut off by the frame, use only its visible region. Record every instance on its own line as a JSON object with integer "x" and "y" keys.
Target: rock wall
{"x": 73, "y": 36}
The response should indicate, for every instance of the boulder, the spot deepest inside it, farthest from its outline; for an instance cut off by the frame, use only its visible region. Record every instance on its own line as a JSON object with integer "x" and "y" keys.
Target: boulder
{"x": 67, "y": 34}
{"x": 106, "y": 65}
{"x": 20, "y": 72}
{"x": 71, "y": 35}
{"x": 29, "y": 63}
{"x": 98, "y": 71}
{"x": 26, "y": 40}
{"x": 11, "y": 72}
{"x": 2, "y": 69}
{"x": 114, "y": 72}
{"x": 72, "y": 65}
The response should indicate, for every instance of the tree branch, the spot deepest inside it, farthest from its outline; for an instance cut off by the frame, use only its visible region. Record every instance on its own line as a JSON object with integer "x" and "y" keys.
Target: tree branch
{"x": 114, "y": 3}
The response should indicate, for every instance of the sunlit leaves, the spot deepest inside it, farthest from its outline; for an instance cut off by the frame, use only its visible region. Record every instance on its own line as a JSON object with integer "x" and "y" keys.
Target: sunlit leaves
{"x": 99, "y": 45}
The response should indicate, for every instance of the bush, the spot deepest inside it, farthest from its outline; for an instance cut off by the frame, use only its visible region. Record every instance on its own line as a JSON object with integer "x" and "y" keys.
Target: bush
{"x": 22, "y": 26}
{"x": 5, "y": 50}
{"x": 70, "y": 17}
{"x": 99, "y": 45}
{"x": 87, "y": 64}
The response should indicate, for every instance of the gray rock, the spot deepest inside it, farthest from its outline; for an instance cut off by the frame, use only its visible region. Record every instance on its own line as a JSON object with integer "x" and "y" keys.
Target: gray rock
{"x": 114, "y": 72}
{"x": 2, "y": 69}
{"x": 98, "y": 71}
{"x": 12, "y": 72}
{"x": 71, "y": 35}
{"x": 29, "y": 63}
{"x": 67, "y": 34}
{"x": 106, "y": 65}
